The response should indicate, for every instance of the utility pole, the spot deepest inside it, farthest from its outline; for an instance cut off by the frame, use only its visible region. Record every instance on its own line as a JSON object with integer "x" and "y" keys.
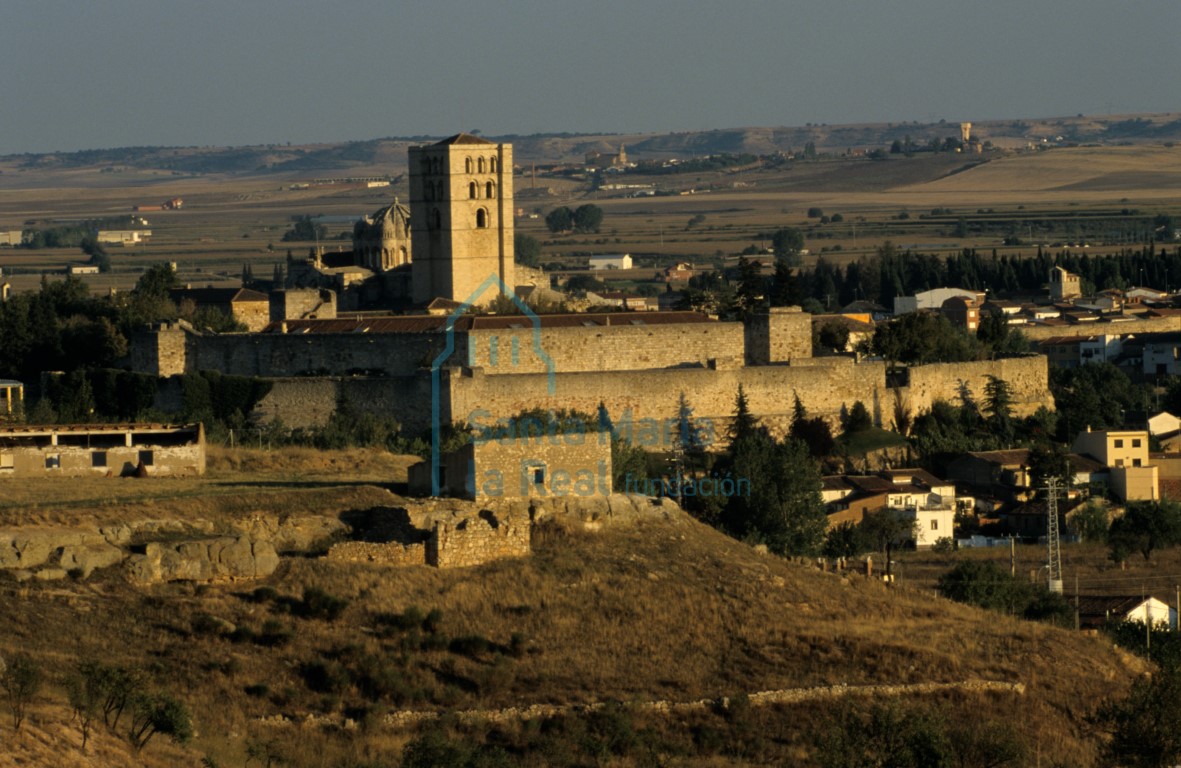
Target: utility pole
{"x": 1052, "y": 539}
{"x": 1012, "y": 556}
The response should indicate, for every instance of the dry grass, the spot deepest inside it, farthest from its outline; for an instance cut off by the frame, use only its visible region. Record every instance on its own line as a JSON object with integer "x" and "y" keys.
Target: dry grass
{"x": 660, "y": 609}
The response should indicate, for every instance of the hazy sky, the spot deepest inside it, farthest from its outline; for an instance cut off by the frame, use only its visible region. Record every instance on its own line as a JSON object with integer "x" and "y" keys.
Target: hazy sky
{"x": 113, "y": 73}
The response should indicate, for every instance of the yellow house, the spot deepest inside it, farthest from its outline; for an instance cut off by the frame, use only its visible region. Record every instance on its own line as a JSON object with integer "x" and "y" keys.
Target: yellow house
{"x": 1125, "y": 452}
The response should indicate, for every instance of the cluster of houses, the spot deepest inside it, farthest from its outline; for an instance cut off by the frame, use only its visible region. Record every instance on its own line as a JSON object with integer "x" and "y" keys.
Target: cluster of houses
{"x": 995, "y": 489}
{"x": 1138, "y": 328}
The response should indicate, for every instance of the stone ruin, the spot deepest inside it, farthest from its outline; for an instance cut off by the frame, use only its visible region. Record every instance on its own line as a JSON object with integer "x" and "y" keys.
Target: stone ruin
{"x": 455, "y": 541}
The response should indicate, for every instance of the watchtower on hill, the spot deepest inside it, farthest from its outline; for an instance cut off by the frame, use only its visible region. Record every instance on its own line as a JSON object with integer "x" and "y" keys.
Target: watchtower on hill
{"x": 461, "y": 203}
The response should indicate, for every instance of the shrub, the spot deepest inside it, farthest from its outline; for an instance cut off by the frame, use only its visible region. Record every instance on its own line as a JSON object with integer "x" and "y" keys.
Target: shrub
{"x": 318, "y": 604}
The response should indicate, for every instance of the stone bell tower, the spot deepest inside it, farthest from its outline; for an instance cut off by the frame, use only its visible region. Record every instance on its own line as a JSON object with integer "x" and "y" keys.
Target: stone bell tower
{"x": 461, "y": 206}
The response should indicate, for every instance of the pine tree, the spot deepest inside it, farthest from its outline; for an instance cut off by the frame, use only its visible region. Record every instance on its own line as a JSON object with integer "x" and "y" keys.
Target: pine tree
{"x": 744, "y": 424}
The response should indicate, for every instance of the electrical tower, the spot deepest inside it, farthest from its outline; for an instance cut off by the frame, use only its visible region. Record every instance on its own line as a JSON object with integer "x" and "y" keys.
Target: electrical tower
{"x": 1052, "y": 538}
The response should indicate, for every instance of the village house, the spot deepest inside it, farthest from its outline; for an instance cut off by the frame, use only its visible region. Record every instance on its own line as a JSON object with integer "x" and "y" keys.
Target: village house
{"x": 1125, "y": 454}
{"x": 521, "y": 467}
{"x": 913, "y": 493}
{"x": 1095, "y": 611}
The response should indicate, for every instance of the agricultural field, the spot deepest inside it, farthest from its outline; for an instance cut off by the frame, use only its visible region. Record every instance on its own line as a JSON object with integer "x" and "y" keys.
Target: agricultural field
{"x": 1101, "y": 198}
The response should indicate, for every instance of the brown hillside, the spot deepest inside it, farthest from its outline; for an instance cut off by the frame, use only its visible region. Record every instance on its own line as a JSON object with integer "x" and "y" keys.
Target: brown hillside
{"x": 659, "y": 608}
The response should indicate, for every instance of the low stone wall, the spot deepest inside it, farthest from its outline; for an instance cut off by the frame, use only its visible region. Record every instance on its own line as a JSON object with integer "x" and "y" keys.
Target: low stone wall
{"x": 384, "y": 553}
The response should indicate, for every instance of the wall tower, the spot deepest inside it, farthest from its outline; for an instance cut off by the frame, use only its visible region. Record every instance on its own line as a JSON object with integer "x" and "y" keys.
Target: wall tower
{"x": 461, "y": 204}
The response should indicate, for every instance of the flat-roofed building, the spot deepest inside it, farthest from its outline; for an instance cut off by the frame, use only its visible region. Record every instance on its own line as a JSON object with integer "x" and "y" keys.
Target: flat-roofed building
{"x": 79, "y": 450}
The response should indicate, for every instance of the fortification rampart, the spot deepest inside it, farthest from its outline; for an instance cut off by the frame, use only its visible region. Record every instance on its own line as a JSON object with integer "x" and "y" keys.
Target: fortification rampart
{"x": 646, "y": 401}
{"x": 1028, "y": 379}
{"x": 603, "y": 348}
{"x": 280, "y": 355}
{"x": 310, "y": 401}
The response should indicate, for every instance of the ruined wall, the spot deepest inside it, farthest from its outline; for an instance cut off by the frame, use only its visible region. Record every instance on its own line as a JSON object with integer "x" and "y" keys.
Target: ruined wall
{"x": 477, "y": 540}
{"x": 611, "y": 348}
{"x": 1028, "y": 377}
{"x": 384, "y": 553}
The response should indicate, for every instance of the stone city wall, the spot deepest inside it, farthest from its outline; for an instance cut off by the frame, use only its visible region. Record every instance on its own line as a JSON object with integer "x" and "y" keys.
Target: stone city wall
{"x": 279, "y": 355}
{"x": 1028, "y": 377}
{"x": 648, "y": 400}
{"x": 311, "y": 401}
{"x": 599, "y": 348}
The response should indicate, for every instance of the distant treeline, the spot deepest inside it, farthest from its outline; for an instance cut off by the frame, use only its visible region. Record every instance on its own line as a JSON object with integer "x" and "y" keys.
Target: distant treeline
{"x": 891, "y": 272}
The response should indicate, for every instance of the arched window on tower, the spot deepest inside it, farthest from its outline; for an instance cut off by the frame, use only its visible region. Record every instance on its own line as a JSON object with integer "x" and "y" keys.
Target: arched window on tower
{"x": 481, "y": 165}
{"x": 471, "y": 190}
{"x": 489, "y": 190}
{"x": 481, "y": 219}
{"x": 467, "y": 165}
{"x": 492, "y": 165}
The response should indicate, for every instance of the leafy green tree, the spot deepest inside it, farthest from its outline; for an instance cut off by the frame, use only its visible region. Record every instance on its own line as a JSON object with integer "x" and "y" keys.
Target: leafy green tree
{"x": 159, "y": 714}
{"x": 1048, "y": 460}
{"x": 752, "y": 287}
{"x": 587, "y": 218}
{"x": 885, "y": 529}
{"x": 304, "y": 229}
{"x": 86, "y": 692}
{"x": 560, "y": 220}
{"x": 984, "y": 584}
{"x": 924, "y": 337}
{"x": 21, "y": 679}
{"x": 783, "y": 506}
{"x": 1145, "y": 527}
{"x": 1091, "y": 523}
{"x": 887, "y": 736}
{"x": 97, "y": 253}
{"x": 787, "y": 244}
{"x": 1145, "y": 727}
{"x": 832, "y": 336}
{"x": 845, "y": 540}
{"x": 526, "y": 250}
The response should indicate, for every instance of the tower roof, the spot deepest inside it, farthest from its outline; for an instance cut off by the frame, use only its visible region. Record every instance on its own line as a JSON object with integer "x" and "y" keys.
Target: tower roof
{"x": 463, "y": 138}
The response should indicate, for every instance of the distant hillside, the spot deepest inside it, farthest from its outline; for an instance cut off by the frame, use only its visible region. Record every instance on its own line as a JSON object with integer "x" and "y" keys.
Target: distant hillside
{"x": 363, "y": 157}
